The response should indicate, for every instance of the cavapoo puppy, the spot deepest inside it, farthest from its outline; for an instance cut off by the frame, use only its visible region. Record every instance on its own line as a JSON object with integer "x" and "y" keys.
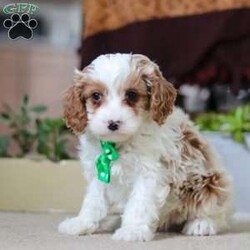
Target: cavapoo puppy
{"x": 165, "y": 174}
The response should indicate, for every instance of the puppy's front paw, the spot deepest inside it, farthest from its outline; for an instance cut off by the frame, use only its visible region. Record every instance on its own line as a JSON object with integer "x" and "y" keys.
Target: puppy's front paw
{"x": 199, "y": 227}
{"x": 133, "y": 233}
{"x": 76, "y": 226}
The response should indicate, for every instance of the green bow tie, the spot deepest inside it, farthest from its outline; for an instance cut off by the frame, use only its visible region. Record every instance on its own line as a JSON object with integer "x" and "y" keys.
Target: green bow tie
{"x": 109, "y": 153}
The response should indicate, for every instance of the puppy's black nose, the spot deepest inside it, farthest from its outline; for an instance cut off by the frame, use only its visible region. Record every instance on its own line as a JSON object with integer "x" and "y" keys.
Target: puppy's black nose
{"x": 113, "y": 125}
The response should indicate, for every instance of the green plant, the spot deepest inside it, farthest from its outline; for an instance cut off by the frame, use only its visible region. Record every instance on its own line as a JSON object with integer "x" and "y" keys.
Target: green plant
{"x": 52, "y": 137}
{"x": 209, "y": 121}
{"x": 47, "y": 136}
{"x": 21, "y": 122}
{"x": 4, "y": 144}
{"x": 237, "y": 122}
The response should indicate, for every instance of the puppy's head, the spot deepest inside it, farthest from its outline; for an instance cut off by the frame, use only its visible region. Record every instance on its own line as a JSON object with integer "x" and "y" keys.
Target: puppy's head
{"x": 115, "y": 95}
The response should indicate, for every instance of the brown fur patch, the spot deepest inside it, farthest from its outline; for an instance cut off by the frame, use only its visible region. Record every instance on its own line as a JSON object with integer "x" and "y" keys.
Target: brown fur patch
{"x": 198, "y": 192}
{"x": 163, "y": 96}
{"x": 201, "y": 191}
{"x": 135, "y": 83}
{"x": 162, "y": 93}
{"x": 89, "y": 89}
{"x": 75, "y": 98}
{"x": 173, "y": 222}
{"x": 74, "y": 111}
{"x": 195, "y": 147}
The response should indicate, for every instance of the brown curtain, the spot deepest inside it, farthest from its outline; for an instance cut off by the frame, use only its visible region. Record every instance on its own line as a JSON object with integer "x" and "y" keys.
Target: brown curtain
{"x": 194, "y": 41}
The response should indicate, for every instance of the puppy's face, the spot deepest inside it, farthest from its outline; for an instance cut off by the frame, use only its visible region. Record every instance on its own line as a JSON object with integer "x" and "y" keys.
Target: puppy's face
{"x": 115, "y": 95}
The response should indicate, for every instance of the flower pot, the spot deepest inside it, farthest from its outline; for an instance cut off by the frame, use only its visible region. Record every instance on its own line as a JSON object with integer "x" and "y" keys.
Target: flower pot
{"x": 27, "y": 185}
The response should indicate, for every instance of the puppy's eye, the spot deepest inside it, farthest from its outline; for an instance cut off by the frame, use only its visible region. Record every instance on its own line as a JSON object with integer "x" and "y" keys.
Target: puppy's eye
{"x": 96, "y": 96}
{"x": 131, "y": 96}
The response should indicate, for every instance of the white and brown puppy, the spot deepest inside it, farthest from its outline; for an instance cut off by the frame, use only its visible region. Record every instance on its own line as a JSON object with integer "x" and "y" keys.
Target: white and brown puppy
{"x": 166, "y": 172}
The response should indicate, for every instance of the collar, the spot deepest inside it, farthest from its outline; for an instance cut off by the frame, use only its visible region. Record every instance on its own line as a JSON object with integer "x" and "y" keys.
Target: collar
{"x": 103, "y": 162}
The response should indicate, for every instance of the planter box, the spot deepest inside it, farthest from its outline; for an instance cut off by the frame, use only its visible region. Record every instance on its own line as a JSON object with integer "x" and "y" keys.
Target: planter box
{"x": 27, "y": 185}
{"x": 237, "y": 160}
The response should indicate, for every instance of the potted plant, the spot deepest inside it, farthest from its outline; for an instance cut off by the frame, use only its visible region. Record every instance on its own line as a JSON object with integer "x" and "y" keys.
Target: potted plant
{"x": 236, "y": 123}
{"x": 39, "y": 176}
{"x": 233, "y": 127}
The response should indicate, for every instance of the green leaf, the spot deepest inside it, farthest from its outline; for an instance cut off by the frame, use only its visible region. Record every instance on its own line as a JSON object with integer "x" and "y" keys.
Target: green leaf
{"x": 236, "y": 122}
{"x": 238, "y": 136}
{"x": 24, "y": 117}
{"x": 4, "y": 144}
{"x": 38, "y": 109}
{"x": 60, "y": 151}
{"x": 5, "y": 117}
{"x": 238, "y": 115}
{"x": 246, "y": 127}
{"x": 42, "y": 127}
{"x": 25, "y": 99}
{"x": 22, "y": 122}
{"x": 42, "y": 148}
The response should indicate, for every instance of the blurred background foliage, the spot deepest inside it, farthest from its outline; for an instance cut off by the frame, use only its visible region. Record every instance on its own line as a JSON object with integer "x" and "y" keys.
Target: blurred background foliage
{"x": 32, "y": 133}
{"x": 236, "y": 122}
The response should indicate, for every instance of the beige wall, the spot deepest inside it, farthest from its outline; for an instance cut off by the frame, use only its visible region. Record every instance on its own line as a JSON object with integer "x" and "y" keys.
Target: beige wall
{"x": 41, "y": 72}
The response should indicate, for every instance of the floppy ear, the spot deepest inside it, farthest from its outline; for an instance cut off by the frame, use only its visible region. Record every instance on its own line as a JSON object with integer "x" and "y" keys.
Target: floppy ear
{"x": 162, "y": 93}
{"x": 74, "y": 110}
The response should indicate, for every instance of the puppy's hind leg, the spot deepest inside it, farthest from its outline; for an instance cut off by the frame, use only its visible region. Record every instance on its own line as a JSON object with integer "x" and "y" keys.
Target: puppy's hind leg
{"x": 200, "y": 227}
{"x": 208, "y": 207}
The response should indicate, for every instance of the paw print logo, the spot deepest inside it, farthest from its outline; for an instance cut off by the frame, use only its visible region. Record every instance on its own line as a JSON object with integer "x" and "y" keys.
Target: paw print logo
{"x": 20, "y": 26}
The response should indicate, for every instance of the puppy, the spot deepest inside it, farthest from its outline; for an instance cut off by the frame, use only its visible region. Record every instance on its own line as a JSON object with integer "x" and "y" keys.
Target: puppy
{"x": 166, "y": 173}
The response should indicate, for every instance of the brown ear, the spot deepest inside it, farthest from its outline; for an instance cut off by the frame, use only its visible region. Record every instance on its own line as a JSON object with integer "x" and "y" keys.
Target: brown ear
{"x": 74, "y": 110}
{"x": 162, "y": 93}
